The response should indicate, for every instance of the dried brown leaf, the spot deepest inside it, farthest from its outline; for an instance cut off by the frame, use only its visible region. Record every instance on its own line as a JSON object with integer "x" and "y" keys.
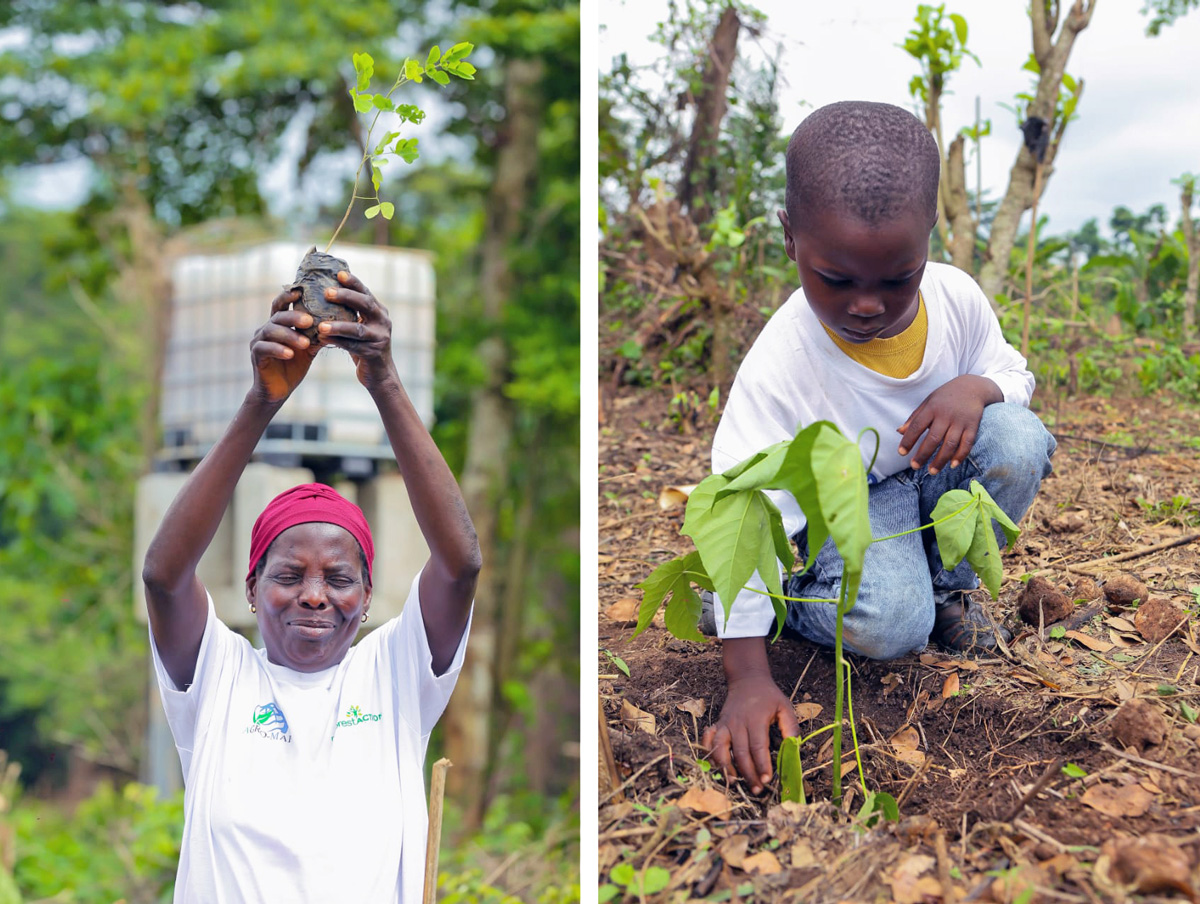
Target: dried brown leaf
{"x": 806, "y": 712}
{"x": 637, "y": 719}
{"x": 733, "y": 849}
{"x": 673, "y": 497}
{"x": 695, "y": 707}
{"x": 764, "y": 863}
{"x": 707, "y": 800}
{"x": 623, "y": 611}
{"x": 950, "y": 686}
{"x": 1092, "y": 643}
{"x": 1131, "y": 801}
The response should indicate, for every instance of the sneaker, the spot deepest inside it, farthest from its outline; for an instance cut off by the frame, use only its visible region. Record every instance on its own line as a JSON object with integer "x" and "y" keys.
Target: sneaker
{"x": 708, "y": 614}
{"x": 961, "y": 625}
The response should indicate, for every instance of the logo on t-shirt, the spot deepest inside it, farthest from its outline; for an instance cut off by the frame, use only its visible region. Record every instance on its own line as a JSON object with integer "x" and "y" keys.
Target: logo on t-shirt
{"x": 270, "y": 722}
{"x": 355, "y": 716}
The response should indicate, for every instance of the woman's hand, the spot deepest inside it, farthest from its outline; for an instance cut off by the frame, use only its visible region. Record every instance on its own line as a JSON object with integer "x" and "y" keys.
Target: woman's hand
{"x": 281, "y": 355}
{"x": 369, "y": 341}
{"x": 950, "y": 417}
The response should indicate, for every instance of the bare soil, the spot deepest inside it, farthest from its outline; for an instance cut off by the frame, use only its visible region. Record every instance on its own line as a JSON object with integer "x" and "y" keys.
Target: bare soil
{"x": 1012, "y": 783}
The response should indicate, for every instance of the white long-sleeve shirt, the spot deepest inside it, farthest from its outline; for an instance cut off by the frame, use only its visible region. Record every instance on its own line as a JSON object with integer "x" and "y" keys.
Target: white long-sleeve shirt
{"x": 794, "y": 375}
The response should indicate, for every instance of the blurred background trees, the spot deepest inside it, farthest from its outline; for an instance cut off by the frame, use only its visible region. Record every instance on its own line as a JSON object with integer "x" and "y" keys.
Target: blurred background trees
{"x": 217, "y": 123}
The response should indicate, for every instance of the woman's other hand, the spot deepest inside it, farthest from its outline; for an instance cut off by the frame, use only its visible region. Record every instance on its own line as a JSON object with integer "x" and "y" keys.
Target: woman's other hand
{"x": 369, "y": 341}
{"x": 281, "y": 355}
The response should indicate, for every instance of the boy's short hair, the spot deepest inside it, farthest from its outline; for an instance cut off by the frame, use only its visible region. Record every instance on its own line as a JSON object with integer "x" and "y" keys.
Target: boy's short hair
{"x": 871, "y": 160}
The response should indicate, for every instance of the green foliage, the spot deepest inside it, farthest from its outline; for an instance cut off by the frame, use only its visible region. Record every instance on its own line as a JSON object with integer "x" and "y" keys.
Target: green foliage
{"x": 791, "y": 774}
{"x": 1164, "y": 13}
{"x": 878, "y": 805}
{"x": 647, "y": 881}
{"x": 939, "y": 49}
{"x": 117, "y": 845}
{"x": 436, "y": 67}
{"x": 963, "y": 523}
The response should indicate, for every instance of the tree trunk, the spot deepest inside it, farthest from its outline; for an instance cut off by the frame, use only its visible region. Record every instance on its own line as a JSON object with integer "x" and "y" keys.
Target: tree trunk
{"x": 956, "y": 208}
{"x": 698, "y": 183}
{"x": 1193, "y": 267}
{"x": 468, "y": 719}
{"x": 1051, "y": 55}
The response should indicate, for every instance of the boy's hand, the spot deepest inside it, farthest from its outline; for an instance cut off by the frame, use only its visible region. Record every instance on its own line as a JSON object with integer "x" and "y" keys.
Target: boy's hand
{"x": 744, "y": 727}
{"x": 949, "y": 417}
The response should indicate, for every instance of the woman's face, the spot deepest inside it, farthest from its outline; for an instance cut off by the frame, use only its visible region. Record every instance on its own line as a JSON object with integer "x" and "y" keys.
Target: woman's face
{"x": 311, "y": 595}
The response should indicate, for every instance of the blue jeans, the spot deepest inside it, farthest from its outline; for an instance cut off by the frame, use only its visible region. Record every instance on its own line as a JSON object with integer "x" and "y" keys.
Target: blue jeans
{"x": 903, "y": 578}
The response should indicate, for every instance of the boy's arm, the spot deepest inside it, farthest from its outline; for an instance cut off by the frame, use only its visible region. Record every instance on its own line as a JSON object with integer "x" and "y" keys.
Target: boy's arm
{"x": 740, "y": 740}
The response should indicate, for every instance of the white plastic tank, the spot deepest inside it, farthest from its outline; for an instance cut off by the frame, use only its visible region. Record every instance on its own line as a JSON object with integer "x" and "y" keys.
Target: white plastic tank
{"x": 220, "y": 299}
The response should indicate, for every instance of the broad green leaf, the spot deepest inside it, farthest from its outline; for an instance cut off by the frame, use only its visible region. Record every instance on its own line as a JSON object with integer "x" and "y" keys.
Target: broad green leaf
{"x": 984, "y": 556}
{"x": 683, "y": 614}
{"x": 371, "y": 212}
{"x": 734, "y": 541}
{"x": 435, "y": 54}
{"x": 376, "y": 176}
{"x": 783, "y": 546}
{"x": 458, "y": 52}
{"x": 667, "y": 579}
{"x": 991, "y": 510}
{"x": 412, "y": 70}
{"x": 700, "y": 502}
{"x": 384, "y": 142}
{"x": 382, "y": 102}
{"x": 438, "y": 76}
{"x": 607, "y": 892}
{"x": 759, "y": 471}
{"x": 1071, "y": 770}
{"x": 657, "y": 878}
{"x": 363, "y": 103}
{"x": 954, "y": 535}
{"x": 463, "y": 70}
{"x": 791, "y": 776}
{"x": 388, "y": 209}
{"x": 622, "y": 874}
{"x": 406, "y": 149}
{"x": 364, "y": 68}
{"x": 879, "y": 803}
{"x": 842, "y": 494}
{"x": 960, "y": 27}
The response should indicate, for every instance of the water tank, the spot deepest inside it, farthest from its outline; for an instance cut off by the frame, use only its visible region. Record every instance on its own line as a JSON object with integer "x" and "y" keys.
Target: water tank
{"x": 220, "y": 299}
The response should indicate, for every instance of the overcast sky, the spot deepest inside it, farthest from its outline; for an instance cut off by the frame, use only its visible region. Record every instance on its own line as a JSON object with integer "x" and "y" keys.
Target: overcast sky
{"x": 1139, "y": 118}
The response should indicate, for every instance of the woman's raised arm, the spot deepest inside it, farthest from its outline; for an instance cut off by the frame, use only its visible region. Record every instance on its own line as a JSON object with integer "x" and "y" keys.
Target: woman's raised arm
{"x": 448, "y": 580}
{"x": 175, "y": 598}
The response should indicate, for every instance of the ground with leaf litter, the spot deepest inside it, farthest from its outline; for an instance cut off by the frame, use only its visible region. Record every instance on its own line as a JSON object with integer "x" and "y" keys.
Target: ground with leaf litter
{"x": 1064, "y": 768}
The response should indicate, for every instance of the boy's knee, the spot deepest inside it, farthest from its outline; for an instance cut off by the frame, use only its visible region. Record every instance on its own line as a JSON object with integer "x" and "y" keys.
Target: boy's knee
{"x": 881, "y": 637}
{"x": 1011, "y": 437}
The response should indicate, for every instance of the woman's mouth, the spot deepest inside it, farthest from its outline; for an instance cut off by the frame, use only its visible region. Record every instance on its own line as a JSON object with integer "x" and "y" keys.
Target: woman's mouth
{"x": 312, "y": 628}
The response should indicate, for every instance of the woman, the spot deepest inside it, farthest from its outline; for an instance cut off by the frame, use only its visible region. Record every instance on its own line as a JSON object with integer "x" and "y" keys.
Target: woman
{"x": 302, "y": 762}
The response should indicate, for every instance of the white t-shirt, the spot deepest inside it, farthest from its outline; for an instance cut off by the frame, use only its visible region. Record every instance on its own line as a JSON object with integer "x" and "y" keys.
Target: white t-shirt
{"x": 306, "y": 787}
{"x": 794, "y": 374}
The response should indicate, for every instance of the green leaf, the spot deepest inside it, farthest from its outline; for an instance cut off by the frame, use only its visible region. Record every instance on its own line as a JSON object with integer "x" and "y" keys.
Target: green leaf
{"x": 463, "y": 70}
{"x": 364, "y": 68}
{"x": 382, "y": 102}
{"x": 1058, "y": 631}
{"x": 622, "y": 874}
{"x": 657, "y": 878}
{"x": 375, "y": 176}
{"x": 618, "y": 662}
{"x": 435, "y": 54}
{"x": 371, "y": 212}
{"x": 955, "y": 534}
{"x": 960, "y": 27}
{"x": 791, "y": 775}
{"x": 673, "y": 579}
{"x": 1188, "y": 712}
{"x": 458, "y": 52}
{"x": 413, "y": 70}
{"x": 984, "y": 556}
{"x": 1073, "y": 771}
{"x": 442, "y": 79}
{"x": 363, "y": 103}
{"x": 606, "y": 893}
{"x": 993, "y": 511}
{"x": 701, "y": 500}
{"x": 384, "y": 142}
{"x": 406, "y": 149}
{"x": 388, "y": 209}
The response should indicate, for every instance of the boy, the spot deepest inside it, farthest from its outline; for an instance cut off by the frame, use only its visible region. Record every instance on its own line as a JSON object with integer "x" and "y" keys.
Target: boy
{"x": 875, "y": 337}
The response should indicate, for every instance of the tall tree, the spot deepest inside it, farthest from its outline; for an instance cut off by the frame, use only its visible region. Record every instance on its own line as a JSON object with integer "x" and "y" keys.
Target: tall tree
{"x": 1187, "y": 191}
{"x": 1054, "y": 36}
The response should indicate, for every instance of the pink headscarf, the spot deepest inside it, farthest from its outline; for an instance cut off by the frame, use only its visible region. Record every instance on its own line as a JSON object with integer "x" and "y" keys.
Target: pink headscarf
{"x": 301, "y": 505}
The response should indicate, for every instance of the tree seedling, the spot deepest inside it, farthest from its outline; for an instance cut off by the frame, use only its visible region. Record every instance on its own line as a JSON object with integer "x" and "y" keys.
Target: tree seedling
{"x": 738, "y": 531}
{"x": 318, "y": 270}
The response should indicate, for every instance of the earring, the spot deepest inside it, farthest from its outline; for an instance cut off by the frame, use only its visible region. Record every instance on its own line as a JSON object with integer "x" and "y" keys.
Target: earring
{"x": 364, "y": 618}
{"x": 252, "y": 609}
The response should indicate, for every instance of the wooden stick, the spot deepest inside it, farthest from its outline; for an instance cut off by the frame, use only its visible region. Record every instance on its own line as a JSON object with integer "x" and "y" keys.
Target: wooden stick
{"x": 437, "y": 791}
{"x": 610, "y": 778}
{"x": 1132, "y": 554}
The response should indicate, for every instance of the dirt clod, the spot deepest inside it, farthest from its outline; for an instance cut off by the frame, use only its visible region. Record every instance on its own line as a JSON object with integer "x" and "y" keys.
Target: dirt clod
{"x": 1156, "y": 619}
{"x": 318, "y": 272}
{"x": 1139, "y": 725}
{"x": 1123, "y": 589}
{"x": 1043, "y": 603}
{"x": 1087, "y": 589}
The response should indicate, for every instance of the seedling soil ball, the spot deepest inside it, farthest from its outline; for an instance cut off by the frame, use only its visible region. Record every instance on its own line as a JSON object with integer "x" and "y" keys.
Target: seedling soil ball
{"x": 318, "y": 272}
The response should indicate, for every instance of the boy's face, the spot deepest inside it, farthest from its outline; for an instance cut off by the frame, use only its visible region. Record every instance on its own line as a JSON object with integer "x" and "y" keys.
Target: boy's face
{"x": 861, "y": 281}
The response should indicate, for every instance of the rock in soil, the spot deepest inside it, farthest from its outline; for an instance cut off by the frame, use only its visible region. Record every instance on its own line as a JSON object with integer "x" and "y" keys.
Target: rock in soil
{"x": 1156, "y": 619}
{"x": 1043, "y": 603}
{"x": 1087, "y": 589}
{"x": 1124, "y": 589}
{"x": 1139, "y": 725}
{"x": 318, "y": 272}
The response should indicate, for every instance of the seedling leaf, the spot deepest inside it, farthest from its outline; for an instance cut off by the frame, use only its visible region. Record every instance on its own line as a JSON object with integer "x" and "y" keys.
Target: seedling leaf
{"x": 388, "y": 209}
{"x": 442, "y": 79}
{"x": 363, "y": 103}
{"x": 413, "y": 70}
{"x": 435, "y": 54}
{"x": 954, "y": 535}
{"x": 791, "y": 775}
{"x": 371, "y": 212}
{"x": 1073, "y": 771}
{"x": 674, "y": 579}
{"x": 382, "y": 102}
{"x": 459, "y": 51}
{"x": 364, "y": 68}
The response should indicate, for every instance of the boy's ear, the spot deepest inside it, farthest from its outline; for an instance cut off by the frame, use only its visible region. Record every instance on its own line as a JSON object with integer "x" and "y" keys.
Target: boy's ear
{"x": 789, "y": 240}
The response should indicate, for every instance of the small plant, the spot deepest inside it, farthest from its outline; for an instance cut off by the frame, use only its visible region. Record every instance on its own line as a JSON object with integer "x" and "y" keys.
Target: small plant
{"x": 738, "y": 531}
{"x": 623, "y": 876}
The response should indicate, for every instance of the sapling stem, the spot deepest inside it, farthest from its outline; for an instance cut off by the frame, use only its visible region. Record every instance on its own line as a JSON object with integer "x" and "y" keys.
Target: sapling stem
{"x": 913, "y": 530}
{"x": 839, "y": 698}
{"x": 853, "y": 730}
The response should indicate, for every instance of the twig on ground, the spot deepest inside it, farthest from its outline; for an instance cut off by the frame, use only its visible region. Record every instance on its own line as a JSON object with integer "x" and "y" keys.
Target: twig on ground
{"x": 1037, "y": 786}
{"x": 1144, "y": 762}
{"x": 949, "y": 894}
{"x": 1034, "y": 832}
{"x": 1091, "y": 565}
